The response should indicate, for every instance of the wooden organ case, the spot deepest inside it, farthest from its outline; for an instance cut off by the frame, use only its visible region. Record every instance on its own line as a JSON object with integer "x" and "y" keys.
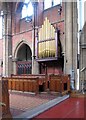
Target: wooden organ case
{"x": 48, "y": 47}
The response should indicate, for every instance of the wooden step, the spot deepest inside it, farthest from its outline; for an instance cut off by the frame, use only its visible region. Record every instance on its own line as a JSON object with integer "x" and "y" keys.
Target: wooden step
{"x": 76, "y": 93}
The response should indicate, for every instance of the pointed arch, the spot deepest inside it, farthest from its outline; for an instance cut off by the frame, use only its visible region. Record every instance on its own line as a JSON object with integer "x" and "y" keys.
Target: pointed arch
{"x": 19, "y": 45}
{"x": 23, "y": 55}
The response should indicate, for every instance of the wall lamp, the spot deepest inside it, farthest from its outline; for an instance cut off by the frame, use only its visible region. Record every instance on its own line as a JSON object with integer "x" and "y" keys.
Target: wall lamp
{"x": 59, "y": 10}
{"x": 28, "y": 19}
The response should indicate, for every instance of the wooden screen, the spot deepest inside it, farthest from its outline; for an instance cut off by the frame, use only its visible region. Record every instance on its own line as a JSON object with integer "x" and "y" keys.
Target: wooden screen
{"x": 24, "y": 68}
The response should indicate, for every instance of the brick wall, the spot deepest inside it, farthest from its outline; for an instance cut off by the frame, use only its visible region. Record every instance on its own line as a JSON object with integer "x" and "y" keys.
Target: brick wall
{"x": 27, "y": 37}
{"x": 52, "y": 14}
{"x": 20, "y": 27}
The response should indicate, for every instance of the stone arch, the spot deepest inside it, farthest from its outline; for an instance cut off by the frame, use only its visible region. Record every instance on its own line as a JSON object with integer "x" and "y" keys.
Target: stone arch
{"x": 23, "y": 58}
{"x": 19, "y": 45}
{"x": 24, "y": 53}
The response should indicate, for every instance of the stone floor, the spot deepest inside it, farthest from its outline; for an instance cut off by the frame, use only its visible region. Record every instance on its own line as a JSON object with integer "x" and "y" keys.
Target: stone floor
{"x": 21, "y": 102}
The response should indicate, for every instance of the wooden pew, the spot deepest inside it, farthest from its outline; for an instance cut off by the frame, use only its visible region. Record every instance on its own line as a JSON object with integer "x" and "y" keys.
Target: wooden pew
{"x": 42, "y": 78}
{"x": 4, "y": 99}
{"x": 24, "y": 84}
{"x": 59, "y": 83}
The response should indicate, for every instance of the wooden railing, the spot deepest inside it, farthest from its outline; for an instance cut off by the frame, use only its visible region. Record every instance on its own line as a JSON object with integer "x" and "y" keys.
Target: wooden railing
{"x": 32, "y": 83}
{"x": 23, "y": 84}
{"x": 27, "y": 83}
{"x": 59, "y": 83}
{"x": 42, "y": 78}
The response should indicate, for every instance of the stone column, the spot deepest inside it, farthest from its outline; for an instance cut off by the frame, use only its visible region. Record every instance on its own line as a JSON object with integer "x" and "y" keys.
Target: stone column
{"x": 75, "y": 43}
{"x": 82, "y": 64}
{"x": 14, "y": 66}
{"x": 69, "y": 38}
{"x": 69, "y": 35}
{"x": 35, "y": 65}
{"x": 7, "y": 40}
{"x": 71, "y": 41}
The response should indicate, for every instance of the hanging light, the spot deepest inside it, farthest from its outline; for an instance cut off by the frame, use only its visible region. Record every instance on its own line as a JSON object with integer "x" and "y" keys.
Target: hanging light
{"x": 59, "y": 10}
{"x": 28, "y": 19}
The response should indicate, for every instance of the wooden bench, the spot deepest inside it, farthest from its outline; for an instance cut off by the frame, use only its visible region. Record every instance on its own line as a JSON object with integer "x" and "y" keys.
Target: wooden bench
{"x": 42, "y": 79}
{"x": 33, "y": 83}
{"x": 59, "y": 83}
{"x": 23, "y": 84}
{"x": 4, "y": 98}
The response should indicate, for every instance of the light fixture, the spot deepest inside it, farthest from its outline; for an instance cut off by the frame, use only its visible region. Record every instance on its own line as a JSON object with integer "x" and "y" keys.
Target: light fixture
{"x": 28, "y": 19}
{"x": 59, "y": 10}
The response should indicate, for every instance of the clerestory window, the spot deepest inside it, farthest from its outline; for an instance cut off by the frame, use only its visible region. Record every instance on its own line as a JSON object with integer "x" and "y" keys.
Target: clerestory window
{"x": 27, "y": 10}
{"x": 51, "y": 3}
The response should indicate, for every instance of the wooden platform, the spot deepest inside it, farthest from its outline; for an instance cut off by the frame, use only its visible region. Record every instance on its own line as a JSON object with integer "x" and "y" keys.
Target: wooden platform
{"x": 76, "y": 94}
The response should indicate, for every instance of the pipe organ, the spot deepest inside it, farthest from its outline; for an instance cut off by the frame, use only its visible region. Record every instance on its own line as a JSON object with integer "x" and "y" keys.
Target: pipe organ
{"x": 47, "y": 43}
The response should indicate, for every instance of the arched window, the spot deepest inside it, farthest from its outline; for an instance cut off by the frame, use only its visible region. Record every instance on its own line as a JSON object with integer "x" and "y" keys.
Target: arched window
{"x": 27, "y": 9}
{"x": 56, "y": 2}
{"x": 51, "y": 3}
{"x": 47, "y": 4}
{"x": 24, "y": 60}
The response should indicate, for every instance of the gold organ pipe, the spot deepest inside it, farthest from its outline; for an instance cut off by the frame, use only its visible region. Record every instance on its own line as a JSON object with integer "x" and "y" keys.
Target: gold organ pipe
{"x": 46, "y": 28}
{"x": 44, "y": 40}
{"x": 53, "y": 32}
{"x": 42, "y": 33}
{"x": 54, "y": 48}
{"x": 51, "y": 47}
{"x": 43, "y": 36}
{"x": 41, "y": 40}
{"x": 41, "y": 44}
{"x": 39, "y": 50}
{"x": 47, "y": 48}
{"x": 39, "y": 36}
{"x": 49, "y": 37}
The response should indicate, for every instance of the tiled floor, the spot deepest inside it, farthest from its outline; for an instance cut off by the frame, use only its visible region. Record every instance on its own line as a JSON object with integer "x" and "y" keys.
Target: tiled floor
{"x": 21, "y": 102}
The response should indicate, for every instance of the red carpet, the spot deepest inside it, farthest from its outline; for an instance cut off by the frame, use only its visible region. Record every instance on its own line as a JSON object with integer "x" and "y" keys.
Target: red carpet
{"x": 70, "y": 108}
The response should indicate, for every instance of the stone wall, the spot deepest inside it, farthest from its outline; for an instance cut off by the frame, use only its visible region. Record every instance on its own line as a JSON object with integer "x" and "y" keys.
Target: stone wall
{"x": 83, "y": 57}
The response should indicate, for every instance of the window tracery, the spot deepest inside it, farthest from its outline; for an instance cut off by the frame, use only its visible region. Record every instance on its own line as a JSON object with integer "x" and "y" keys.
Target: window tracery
{"x": 27, "y": 9}
{"x": 51, "y": 3}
